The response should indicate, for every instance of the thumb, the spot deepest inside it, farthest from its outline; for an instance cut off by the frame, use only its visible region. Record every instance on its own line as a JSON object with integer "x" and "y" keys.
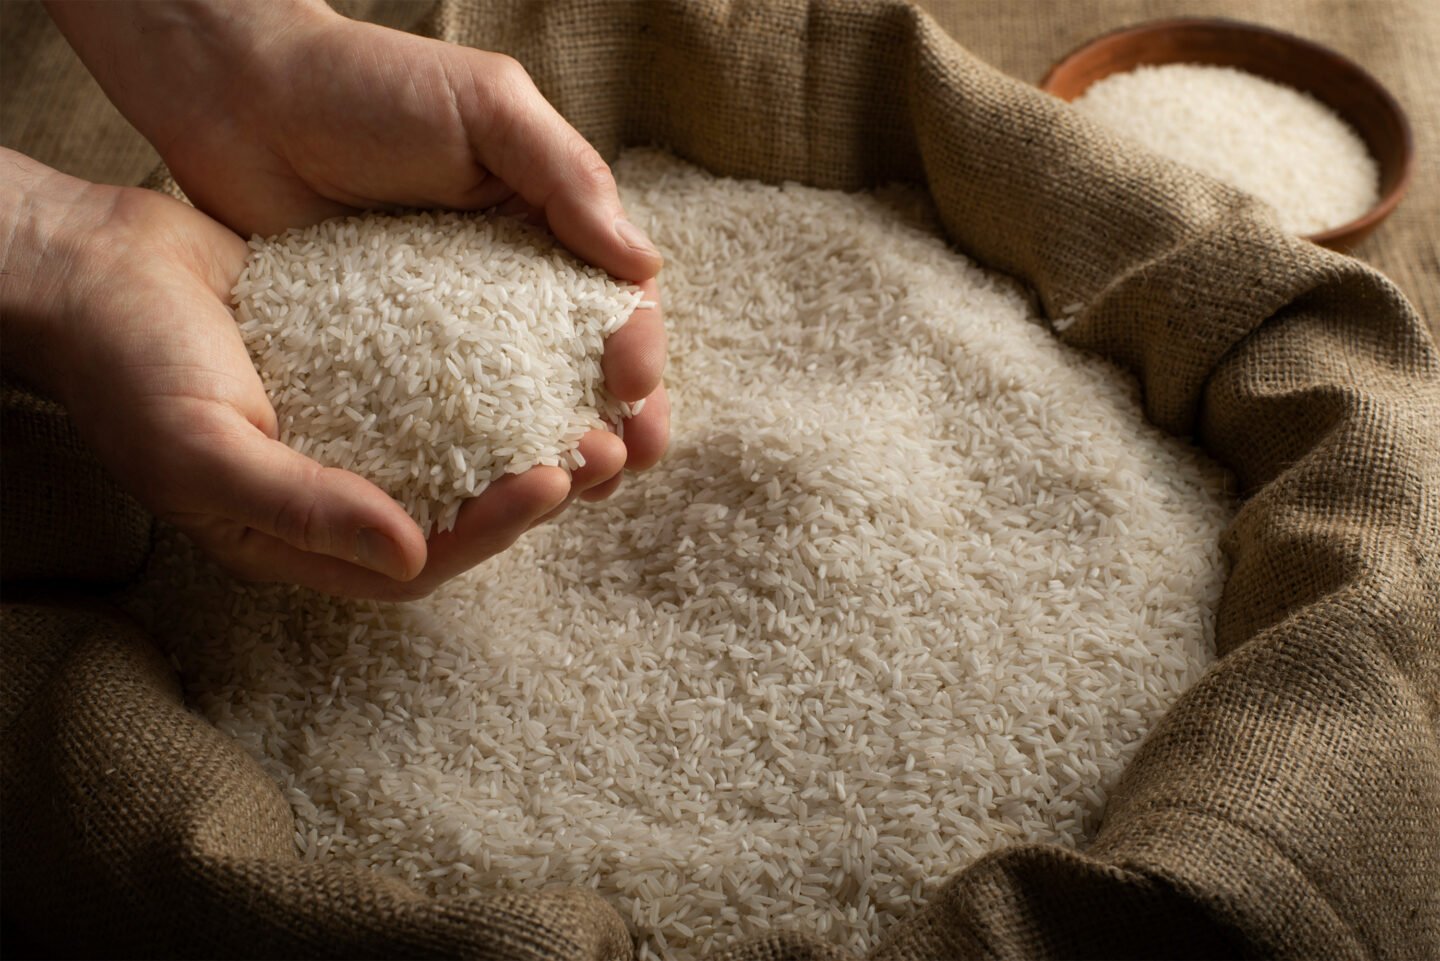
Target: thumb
{"x": 519, "y": 137}
{"x": 265, "y": 485}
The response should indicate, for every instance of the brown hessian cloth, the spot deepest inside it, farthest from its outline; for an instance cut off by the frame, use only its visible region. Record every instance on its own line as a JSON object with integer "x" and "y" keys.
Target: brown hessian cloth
{"x": 1288, "y": 806}
{"x": 52, "y": 110}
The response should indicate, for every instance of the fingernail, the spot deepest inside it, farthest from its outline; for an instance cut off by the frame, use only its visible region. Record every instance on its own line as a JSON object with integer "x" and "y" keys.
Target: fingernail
{"x": 635, "y": 238}
{"x": 379, "y": 553}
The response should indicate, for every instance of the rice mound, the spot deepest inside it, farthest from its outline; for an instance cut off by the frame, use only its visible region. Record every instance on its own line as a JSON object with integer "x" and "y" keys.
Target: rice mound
{"x": 1272, "y": 141}
{"x": 912, "y": 584}
{"x": 431, "y": 353}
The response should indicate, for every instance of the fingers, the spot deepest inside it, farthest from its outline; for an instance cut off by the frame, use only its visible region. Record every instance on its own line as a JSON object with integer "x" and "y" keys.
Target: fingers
{"x": 492, "y": 522}
{"x": 284, "y": 204}
{"x": 250, "y": 555}
{"x": 634, "y": 362}
{"x": 516, "y": 134}
{"x": 601, "y": 491}
{"x": 272, "y": 514}
{"x": 647, "y": 434}
{"x": 487, "y": 525}
{"x": 605, "y": 456}
{"x": 634, "y": 358}
{"x": 264, "y": 485}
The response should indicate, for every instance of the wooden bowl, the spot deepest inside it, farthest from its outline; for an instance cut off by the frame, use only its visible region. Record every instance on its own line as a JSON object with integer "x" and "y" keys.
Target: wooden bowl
{"x": 1324, "y": 74}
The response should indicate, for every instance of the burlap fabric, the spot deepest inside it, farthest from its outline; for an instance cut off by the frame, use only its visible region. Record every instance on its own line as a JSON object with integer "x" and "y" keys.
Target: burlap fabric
{"x": 98, "y": 539}
{"x": 1288, "y": 806}
{"x": 52, "y": 110}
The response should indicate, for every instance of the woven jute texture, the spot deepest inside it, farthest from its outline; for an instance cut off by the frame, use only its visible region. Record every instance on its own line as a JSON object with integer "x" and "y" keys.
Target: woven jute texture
{"x": 52, "y": 110}
{"x": 1288, "y": 806}
{"x": 61, "y": 516}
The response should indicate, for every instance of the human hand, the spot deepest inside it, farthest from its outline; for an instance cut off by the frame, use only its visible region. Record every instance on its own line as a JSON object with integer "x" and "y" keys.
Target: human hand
{"x": 282, "y": 114}
{"x": 114, "y": 301}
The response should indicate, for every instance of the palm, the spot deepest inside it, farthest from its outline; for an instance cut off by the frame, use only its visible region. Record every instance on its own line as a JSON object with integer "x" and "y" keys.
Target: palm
{"x": 184, "y": 422}
{"x": 175, "y": 367}
{"x": 351, "y": 142}
{"x": 369, "y": 117}
{"x": 273, "y": 116}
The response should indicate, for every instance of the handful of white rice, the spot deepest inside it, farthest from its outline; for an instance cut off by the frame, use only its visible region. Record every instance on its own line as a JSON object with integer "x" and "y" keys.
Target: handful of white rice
{"x": 912, "y": 584}
{"x": 431, "y": 353}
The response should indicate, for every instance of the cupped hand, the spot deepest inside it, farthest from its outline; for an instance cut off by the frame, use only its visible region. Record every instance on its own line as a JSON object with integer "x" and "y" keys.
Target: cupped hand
{"x": 336, "y": 116}
{"x": 132, "y": 332}
{"x": 280, "y": 114}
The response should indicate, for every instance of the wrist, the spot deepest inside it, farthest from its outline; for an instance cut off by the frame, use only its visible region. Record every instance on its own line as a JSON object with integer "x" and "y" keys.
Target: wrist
{"x": 46, "y": 220}
{"x": 178, "y": 69}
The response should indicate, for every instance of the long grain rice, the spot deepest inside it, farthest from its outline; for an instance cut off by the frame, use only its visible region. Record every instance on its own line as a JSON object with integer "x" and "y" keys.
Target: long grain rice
{"x": 912, "y": 584}
{"x": 1270, "y": 140}
{"x": 431, "y": 353}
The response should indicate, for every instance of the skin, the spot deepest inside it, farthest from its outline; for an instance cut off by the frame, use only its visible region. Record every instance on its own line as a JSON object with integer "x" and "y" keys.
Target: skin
{"x": 115, "y": 300}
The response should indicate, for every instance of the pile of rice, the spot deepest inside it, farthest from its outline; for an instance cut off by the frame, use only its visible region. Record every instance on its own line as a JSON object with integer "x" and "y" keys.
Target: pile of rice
{"x": 431, "y": 353}
{"x": 911, "y": 585}
{"x": 1269, "y": 140}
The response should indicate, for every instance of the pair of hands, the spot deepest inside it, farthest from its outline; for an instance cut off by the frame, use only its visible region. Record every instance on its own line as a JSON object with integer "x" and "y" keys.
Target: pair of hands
{"x": 293, "y": 114}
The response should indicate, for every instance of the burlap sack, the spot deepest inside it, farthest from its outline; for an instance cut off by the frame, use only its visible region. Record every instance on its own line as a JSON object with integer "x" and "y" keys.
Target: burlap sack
{"x": 81, "y": 529}
{"x": 1288, "y": 806}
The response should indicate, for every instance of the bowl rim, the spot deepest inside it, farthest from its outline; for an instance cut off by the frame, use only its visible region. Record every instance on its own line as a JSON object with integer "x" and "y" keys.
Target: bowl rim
{"x": 1341, "y": 235}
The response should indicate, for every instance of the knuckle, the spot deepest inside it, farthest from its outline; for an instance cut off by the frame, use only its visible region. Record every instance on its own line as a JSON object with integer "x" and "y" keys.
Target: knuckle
{"x": 508, "y": 74}
{"x": 298, "y": 521}
{"x": 266, "y": 420}
{"x": 589, "y": 170}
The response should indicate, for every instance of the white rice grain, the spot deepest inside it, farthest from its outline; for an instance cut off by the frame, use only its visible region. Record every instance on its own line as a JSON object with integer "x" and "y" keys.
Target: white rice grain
{"x": 431, "y": 353}
{"x": 911, "y": 585}
{"x": 1267, "y": 139}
